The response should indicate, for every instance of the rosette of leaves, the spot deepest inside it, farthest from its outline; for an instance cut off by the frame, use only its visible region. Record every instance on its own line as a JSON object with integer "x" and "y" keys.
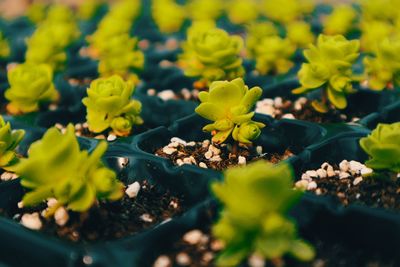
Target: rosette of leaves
{"x": 383, "y": 69}
{"x": 329, "y": 67}
{"x": 228, "y": 105}
{"x": 256, "y": 31}
{"x": 89, "y": 8}
{"x": 373, "y": 32}
{"x": 126, "y": 10}
{"x": 212, "y": 55}
{"x": 383, "y": 10}
{"x": 120, "y": 55}
{"x": 57, "y": 168}
{"x": 285, "y": 11}
{"x": 340, "y": 21}
{"x": 30, "y": 86}
{"x": 4, "y": 47}
{"x": 205, "y": 9}
{"x": 383, "y": 148}
{"x": 242, "y": 11}
{"x": 254, "y": 219}
{"x": 273, "y": 55}
{"x": 109, "y": 105}
{"x": 300, "y": 33}
{"x": 9, "y": 140}
{"x": 36, "y": 12}
{"x": 168, "y": 15}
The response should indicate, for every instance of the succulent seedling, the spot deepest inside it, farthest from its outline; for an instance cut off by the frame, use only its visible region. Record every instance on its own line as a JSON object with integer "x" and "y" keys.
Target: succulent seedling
{"x": 383, "y": 148}
{"x": 255, "y": 201}
{"x": 205, "y": 9}
{"x": 285, "y": 11}
{"x": 9, "y": 140}
{"x": 57, "y": 168}
{"x": 242, "y": 11}
{"x": 340, "y": 21}
{"x": 300, "y": 33}
{"x": 329, "y": 67}
{"x": 256, "y": 31}
{"x": 212, "y": 55}
{"x": 168, "y": 15}
{"x": 30, "y": 86}
{"x": 383, "y": 68}
{"x": 109, "y": 105}
{"x": 228, "y": 105}
{"x": 273, "y": 55}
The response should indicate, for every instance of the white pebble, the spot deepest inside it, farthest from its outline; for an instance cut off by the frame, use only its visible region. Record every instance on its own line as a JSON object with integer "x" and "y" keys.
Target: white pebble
{"x": 51, "y": 202}
{"x": 357, "y": 180}
{"x": 321, "y": 173}
{"x": 289, "y": 116}
{"x": 203, "y": 165}
{"x": 355, "y": 166}
{"x": 191, "y": 143}
{"x": 187, "y": 161}
{"x": 183, "y": 259}
{"x": 193, "y": 160}
{"x": 20, "y": 204}
{"x": 151, "y": 92}
{"x": 256, "y": 261}
{"x": 146, "y": 218}
{"x": 259, "y": 150}
{"x": 169, "y": 150}
{"x": 241, "y": 160}
{"x": 330, "y": 172}
{"x": 325, "y": 166}
{"x": 31, "y": 221}
{"x": 306, "y": 177}
{"x": 344, "y": 165}
{"x": 178, "y": 140}
{"x": 208, "y": 154}
{"x": 111, "y": 137}
{"x": 302, "y": 184}
{"x": 173, "y": 144}
{"x": 214, "y": 150}
{"x": 132, "y": 190}
{"x": 179, "y": 162}
{"x": 162, "y": 261}
{"x": 6, "y": 176}
{"x": 366, "y": 171}
{"x": 193, "y": 237}
{"x": 312, "y": 185}
{"x": 268, "y": 110}
{"x": 278, "y": 102}
{"x": 61, "y": 216}
{"x": 312, "y": 173}
{"x": 344, "y": 175}
{"x": 206, "y": 143}
{"x": 216, "y": 158}
{"x": 166, "y": 95}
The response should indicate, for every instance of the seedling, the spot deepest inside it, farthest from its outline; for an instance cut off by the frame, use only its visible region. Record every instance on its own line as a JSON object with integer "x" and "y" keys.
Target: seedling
{"x": 285, "y": 11}
{"x": 57, "y": 168}
{"x": 242, "y": 11}
{"x": 109, "y": 105}
{"x": 256, "y": 200}
{"x": 256, "y": 31}
{"x": 9, "y": 140}
{"x": 340, "y": 21}
{"x": 383, "y": 68}
{"x": 300, "y": 33}
{"x": 168, "y": 15}
{"x": 30, "y": 86}
{"x": 329, "y": 68}
{"x": 273, "y": 55}
{"x": 212, "y": 55}
{"x": 228, "y": 105}
{"x": 383, "y": 147}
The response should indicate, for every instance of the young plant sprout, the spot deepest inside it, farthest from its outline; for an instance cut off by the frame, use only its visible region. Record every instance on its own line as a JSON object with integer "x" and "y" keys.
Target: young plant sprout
{"x": 273, "y": 55}
{"x": 256, "y": 200}
{"x": 255, "y": 33}
{"x": 373, "y": 32}
{"x": 205, "y": 9}
{"x": 168, "y": 15}
{"x": 57, "y": 168}
{"x": 300, "y": 33}
{"x": 9, "y": 140}
{"x": 242, "y": 11}
{"x": 120, "y": 56}
{"x": 36, "y": 12}
{"x": 89, "y": 8}
{"x": 285, "y": 11}
{"x": 383, "y": 69}
{"x": 228, "y": 105}
{"x": 212, "y": 55}
{"x": 30, "y": 86}
{"x": 4, "y": 47}
{"x": 329, "y": 67}
{"x": 109, "y": 105}
{"x": 340, "y": 21}
{"x": 48, "y": 43}
{"x": 383, "y": 148}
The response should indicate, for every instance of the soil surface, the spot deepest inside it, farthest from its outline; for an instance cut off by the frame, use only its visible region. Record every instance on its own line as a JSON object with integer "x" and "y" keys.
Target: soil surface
{"x": 112, "y": 220}
{"x": 196, "y": 154}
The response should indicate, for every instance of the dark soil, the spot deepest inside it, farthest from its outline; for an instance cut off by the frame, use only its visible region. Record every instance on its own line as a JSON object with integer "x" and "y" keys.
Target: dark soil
{"x": 308, "y": 113}
{"x": 372, "y": 192}
{"x": 228, "y": 158}
{"x": 112, "y": 220}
